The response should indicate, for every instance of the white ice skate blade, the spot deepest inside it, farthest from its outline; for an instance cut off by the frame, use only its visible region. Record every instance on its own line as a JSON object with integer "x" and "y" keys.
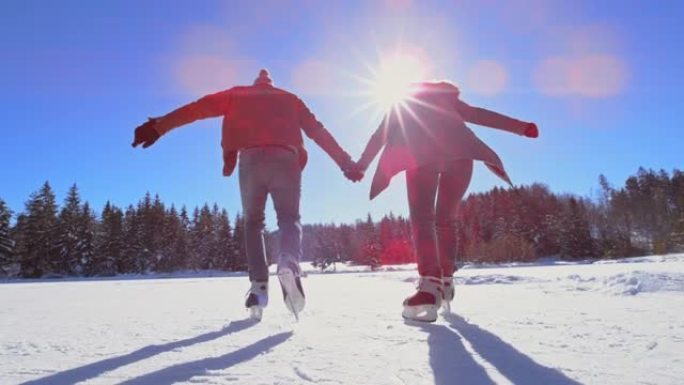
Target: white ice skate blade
{"x": 256, "y": 312}
{"x": 421, "y": 313}
{"x": 294, "y": 300}
{"x": 446, "y": 307}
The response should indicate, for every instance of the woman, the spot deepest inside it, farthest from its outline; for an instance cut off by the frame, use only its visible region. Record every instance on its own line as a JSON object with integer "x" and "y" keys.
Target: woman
{"x": 426, "y": 135}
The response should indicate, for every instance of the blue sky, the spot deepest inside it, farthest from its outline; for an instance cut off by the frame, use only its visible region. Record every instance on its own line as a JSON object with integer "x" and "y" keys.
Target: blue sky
{"x": 602, "y": 79}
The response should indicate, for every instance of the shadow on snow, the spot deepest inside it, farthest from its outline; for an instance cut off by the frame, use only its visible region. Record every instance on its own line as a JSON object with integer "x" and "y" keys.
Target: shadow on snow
{"x": 452, "y": 363}
{"x": 184, "y": 372}
{"x": 95, "y": 369}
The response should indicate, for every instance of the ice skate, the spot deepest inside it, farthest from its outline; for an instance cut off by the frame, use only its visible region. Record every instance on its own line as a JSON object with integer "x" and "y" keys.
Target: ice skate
{"x": 423, "y": 305}
{"x": 291, "y": 284}
{"x": 447, "y": 293}
{"x": 257, "y": 299}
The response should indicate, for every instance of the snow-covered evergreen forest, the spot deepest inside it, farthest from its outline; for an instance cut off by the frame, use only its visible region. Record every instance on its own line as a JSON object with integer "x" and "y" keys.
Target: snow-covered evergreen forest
{"x": 644, "y": 216}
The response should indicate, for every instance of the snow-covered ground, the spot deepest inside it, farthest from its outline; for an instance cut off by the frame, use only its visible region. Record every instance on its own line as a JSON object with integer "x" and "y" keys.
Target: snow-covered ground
{"x": 595, "y": 323}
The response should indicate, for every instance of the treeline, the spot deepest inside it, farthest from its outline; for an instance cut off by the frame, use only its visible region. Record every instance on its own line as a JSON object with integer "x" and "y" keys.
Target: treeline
{"x": 52, "y": 241}
{"x": 644, "y": 216}
{"x": 148, "y": 237}
{"x": 522, "y": 224}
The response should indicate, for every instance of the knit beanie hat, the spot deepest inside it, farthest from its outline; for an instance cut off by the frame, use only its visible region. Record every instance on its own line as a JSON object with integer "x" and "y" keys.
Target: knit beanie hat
{"x": 264, "y": 78}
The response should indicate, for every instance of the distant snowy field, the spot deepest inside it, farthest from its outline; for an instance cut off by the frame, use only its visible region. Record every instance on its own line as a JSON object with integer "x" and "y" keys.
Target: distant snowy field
{"x": 618, "y": 322}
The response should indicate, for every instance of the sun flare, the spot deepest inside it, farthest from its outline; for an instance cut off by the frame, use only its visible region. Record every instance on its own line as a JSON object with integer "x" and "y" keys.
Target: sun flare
{"x": 393, "y": 78}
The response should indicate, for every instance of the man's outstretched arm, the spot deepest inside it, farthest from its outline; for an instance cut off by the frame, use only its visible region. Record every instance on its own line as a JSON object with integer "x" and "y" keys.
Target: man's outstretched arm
{"x": 317, "y": 132}
{"x": 207, "y": 107}
{"x": 493, "y": 119}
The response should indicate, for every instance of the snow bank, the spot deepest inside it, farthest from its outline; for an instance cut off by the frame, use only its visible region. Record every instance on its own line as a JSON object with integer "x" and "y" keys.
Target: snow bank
{"x": 631, "y": 283}
{"x": 495, "y": 279}
{"x": 650, "y": 259}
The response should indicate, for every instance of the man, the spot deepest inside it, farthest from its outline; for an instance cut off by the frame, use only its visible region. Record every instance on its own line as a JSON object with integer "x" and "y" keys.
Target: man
{"x": 262, "y": 125}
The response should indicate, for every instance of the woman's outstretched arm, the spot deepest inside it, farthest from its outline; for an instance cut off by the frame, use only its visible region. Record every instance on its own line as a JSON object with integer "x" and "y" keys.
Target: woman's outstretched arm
{"x": 374, "y": 145}
{"x": 493, "y": 119}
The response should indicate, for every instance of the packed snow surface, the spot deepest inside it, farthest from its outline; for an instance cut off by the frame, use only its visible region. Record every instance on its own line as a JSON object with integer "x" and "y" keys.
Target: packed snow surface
{"x": 608, "y": 322}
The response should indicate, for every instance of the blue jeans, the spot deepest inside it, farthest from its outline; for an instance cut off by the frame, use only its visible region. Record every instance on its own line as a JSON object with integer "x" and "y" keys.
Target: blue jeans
{"x": 434, "y": 225}
{"x": 276, "y": 171}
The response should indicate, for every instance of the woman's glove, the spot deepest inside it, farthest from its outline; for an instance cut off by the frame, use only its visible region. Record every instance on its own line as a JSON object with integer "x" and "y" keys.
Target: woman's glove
{"x": 531, "y": 131}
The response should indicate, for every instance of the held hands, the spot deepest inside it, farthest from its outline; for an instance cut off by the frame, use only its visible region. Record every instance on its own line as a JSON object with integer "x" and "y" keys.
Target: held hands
{"x": 145, "y": 134}
{"x": 531, "y": 131}
{"x": 353, "y": 172}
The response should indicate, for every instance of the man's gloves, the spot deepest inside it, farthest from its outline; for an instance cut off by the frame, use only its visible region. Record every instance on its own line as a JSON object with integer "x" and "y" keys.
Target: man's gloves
{"x": 354, "y": 172}
{"x": 145, "y": 134}
{"x": 531, "y": 131}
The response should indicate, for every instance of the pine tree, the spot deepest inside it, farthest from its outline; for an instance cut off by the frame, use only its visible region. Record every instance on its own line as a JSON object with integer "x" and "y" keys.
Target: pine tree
{"x": 110, "y": 242}
{"x": 182, "y": 245}
{"x": 173, "y": 242}
{"x": 606, "y": 219}
{"x": 133, "y": 251}
{"x": 646, "y": 198}
{"x": 225, "y": 242}
{"x": 36, "y": 231}
{"x": 150, "y": 215}
{"x": 576, "y": 240}
{"x": 158, "y": 221}
{"x": 616, "y": 224}
{"x": 68, "y": 234}
{"x": 202, "y": 236}
{"x": 165, "y": 259}
{"x": 194, "y": 238}
{"x": 677, "y": 199}
{"x": 546, "y": 208}
{"x": 371, "y": 247}
{"x": 327, "y": 250}
{"x": 240, "y": 260}
{"x": 349, "y": 242}
{"x": 386, "y": 238}
{"x": 406, "y": 252}
{"x": 87, "y": 224}
{"x": 214, "y": 257}
{"x": 6, "y": 242}
{"x": 395, "y": 239}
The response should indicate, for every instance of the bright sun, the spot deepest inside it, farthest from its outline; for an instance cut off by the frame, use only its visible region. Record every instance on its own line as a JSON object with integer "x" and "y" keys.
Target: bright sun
{"x": 393, "y": 78}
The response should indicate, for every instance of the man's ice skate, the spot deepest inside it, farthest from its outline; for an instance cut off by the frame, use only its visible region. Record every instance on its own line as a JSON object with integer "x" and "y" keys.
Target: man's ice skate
{"x": 423, "y": 305}
{"x": 257, "y": 299}
{"x": 291, "y": 284}
{"x": 447, "y": 293}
